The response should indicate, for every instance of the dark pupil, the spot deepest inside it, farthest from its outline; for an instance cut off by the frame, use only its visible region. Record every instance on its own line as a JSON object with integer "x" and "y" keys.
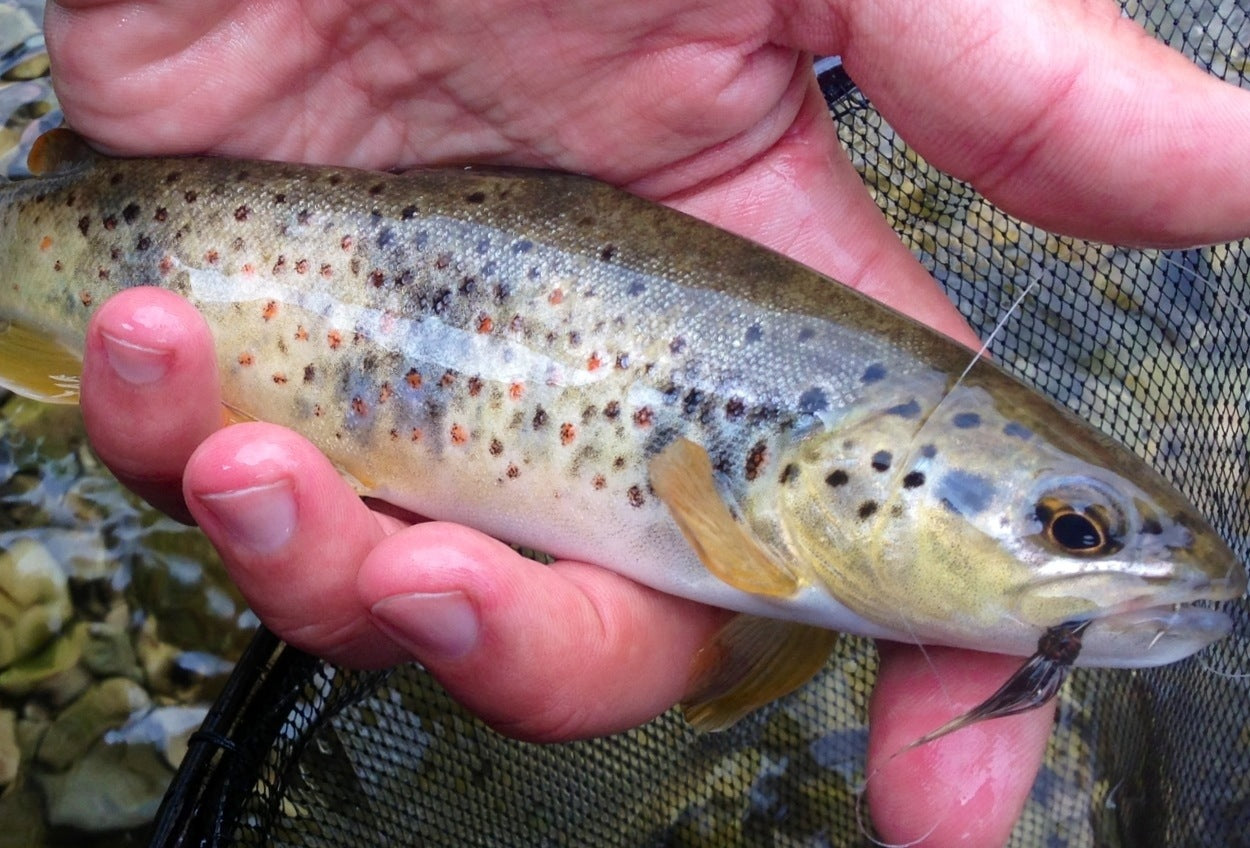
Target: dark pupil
{"x": 1075, "y": 532}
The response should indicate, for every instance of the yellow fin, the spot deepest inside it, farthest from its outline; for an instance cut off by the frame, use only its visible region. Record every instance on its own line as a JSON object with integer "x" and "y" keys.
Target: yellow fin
{"x": 37, "y": 366}
{"x": 750, "y": 662}
{"x": 681, "y": 476}
{"x": 58, "y": 150}
{"x": 231, "y": 415}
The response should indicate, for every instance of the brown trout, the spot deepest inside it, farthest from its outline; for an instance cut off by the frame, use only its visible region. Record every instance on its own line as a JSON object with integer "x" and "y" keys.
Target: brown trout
{"x": 574, "y": 369}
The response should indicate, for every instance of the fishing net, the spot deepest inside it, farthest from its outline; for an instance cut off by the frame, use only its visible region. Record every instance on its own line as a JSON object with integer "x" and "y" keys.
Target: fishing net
{"x": 1149, "y": 346}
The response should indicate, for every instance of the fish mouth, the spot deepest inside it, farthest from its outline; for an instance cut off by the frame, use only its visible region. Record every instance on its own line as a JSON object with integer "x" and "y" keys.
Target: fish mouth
{"x": 1151, "y": 635}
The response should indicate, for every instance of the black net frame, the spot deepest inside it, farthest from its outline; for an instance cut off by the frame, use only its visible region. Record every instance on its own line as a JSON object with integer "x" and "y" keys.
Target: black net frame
{"x": 1149, "y": 346}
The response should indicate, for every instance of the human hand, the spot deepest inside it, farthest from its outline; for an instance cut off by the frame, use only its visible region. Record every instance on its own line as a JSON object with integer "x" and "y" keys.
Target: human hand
{"x": 1059, "y": 111}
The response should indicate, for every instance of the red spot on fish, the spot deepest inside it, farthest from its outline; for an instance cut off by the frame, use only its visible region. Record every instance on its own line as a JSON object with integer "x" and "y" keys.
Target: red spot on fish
{"x": 45, "y": 242}
{"x": 416, "y": 434}
{"x": 270, "y": 310}
{"x": 413, "y": 377}
{"x": 279, "y": 378}
{"x": 448, "y": 379}
{"x": 635, "y": 496}
{"x": 458, "y": 435}
{"x": 241, "y": 213}
{"x": 335, "y": 339}
{"x": 249, "y": 268}
{"x": 384, "y": 393}
{"x": 103, "y": 274}
{"x": 643, "y": 416}
{"x": 346, "y": 243}
{"x": 475, "y": 386}
{"x": 556, "y": 297}
{"x": 301, "y": 335}
{"x": 110, "y": 223}
{"x": 246, "y": 359}
{"x": 160, "y": 215}
{"x": 496, "y": 447}
{"x": 211, "y": 257}
{"x": 317, "y": 410}
{"x": 567, "y": 433}
{"x": 301, "y": 266}
{"x": 484, "y": 323}
{"x": 359, "y": 406}
{"x": 166, "y": 264}
{"x": 594, "y": 363}
{"x": 394, "y": 434}
{"x": 756, "y": 460}
{"x": 56, "y": 266}
{"x": 377, "y": 278}
{"x": 326, "y": 270}
{"x": 513, "y": 472}
{"x": 85, "y": 298}
{"x": 280, "y": 265}
{"x": 516, "y": 390}
{"x": 599, "y": 482}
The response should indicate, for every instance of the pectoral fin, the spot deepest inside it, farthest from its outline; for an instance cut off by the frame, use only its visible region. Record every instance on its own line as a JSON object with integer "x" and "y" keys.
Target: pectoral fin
{"x": 681, "y": 476}
{"x": 37, "y": 366}
{"x": 750, "y": 662}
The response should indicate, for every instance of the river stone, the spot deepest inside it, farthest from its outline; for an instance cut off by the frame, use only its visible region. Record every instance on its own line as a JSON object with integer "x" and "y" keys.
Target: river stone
{"x": 105, "y": 706}
{"x": 54, "y": 670}
{"x": 10, "y": 753}
{"x": 115, "y": 786}
{"x": 34, "y": 600}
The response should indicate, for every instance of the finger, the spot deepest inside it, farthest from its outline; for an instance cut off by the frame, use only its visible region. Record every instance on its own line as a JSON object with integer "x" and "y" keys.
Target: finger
{"x": 149, "y": 391}
{"x": 544, "y": 653}
{"x": 292, "y": 534}
{"x": 967, "y": 788}
{"x": 1064, "y": 113}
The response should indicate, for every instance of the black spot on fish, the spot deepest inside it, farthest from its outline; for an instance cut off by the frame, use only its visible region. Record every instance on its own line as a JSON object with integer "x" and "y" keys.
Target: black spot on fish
{"x": 965, "y": 493}
{"x": 635, "y": 496}
{"x": 812, "y": 401}
{"x": 143, "y": 243}
{"x": 302, "y": 217}
{"x": 523, "y": 246}
{"x": 754, "y": 334}
{"x": 84, "y": 224}
{"x": 735, "y": 408}
{"x": 1017, "y": 430}
{"x": 110, "y": 222}
{"x": 806, "y": 335}
{"x": 607, "y": 252}
{"x": 788, "y": 474}
{"x": 622, "y": 361}
{"x": 310, "y": 373}
{"x": 442, "y": 301}
{"x": 913, "y": 480}
{"x": 873, "y": 373}
{"x": 967, "y": 420}
{"x": 408, "y": 212}
{"x": 160, "y": 215}
{"x": 376, "y": 189}
{"x": 130, "y": 213}
{"x": 692, "y": 401}
{"x": 483, "y": 245}
{"x": 881, "y": 460}
{"x": 476, "y": 197}
{"x": 928, "y": 451}
{"x": 1151, "y": 526}
{"x": 867, "y": 509}
{"x": 908, "y": 410}
{"x": 190, "y": 195}
{"x": 677, "y": 345}
{"x": 636, "y": 288}
{"x": 837, "y": 478}
{"x": 385, "y": 237}
{"x": 172, "y": 177}
{"x": 612, "y": 410}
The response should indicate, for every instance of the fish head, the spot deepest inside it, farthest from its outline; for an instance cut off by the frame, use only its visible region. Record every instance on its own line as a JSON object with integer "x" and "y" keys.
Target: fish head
{"x": 1002, "y": 518}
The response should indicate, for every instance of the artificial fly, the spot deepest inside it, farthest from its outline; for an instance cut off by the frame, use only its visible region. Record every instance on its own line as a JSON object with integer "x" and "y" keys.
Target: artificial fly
{"x": 1032, "y": 686}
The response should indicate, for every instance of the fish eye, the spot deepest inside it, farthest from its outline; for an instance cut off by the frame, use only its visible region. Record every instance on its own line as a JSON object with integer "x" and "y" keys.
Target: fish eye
{"x": 1084, "y": 532}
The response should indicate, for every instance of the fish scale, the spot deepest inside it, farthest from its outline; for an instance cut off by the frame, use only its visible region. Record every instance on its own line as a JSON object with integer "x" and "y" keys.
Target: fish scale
{"x": 580, "y": 371}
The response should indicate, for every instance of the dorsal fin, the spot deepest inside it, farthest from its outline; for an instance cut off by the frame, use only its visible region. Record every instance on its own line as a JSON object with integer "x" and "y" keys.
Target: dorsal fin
{"x": 58, "y": 150}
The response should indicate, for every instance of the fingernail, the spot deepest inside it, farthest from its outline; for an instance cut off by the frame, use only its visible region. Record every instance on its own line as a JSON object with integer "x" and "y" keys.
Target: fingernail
{"x": 261, "y": 517}
{"x": 135, "y": 363}
{"x": 437, "y": 626}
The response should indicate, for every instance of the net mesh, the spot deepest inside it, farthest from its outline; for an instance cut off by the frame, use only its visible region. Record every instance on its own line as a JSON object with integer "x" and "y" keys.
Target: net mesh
{"x": 1150, "y": 346}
